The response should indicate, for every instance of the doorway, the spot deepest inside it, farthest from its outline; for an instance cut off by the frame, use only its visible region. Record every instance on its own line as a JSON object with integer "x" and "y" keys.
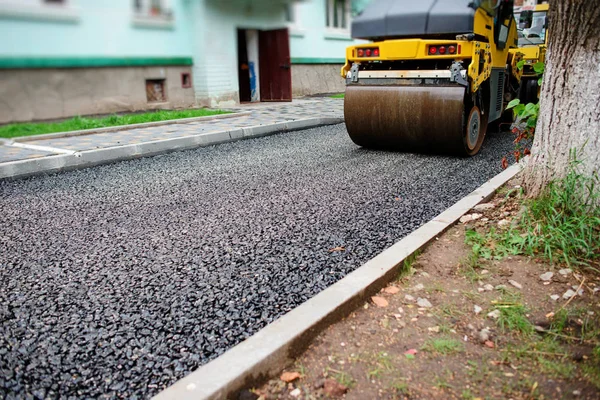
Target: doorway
{"x": 264, "y": 70}
{"x": 243, "y": 67}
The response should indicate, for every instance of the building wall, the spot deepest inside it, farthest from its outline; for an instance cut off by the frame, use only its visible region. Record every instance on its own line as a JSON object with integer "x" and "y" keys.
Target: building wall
{"x": 93, "y": 28}
{"x": 51, "y": 93}
{"x": 318, "y": 52}
{"x": 308, "y": 79}
{"x": 89, "y": 57}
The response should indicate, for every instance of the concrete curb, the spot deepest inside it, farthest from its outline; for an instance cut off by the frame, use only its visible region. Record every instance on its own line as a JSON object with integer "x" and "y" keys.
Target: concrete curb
{"x": 59, "y": 135}
{"x": 90, "y": 158}
{"x": 271, "y": 349}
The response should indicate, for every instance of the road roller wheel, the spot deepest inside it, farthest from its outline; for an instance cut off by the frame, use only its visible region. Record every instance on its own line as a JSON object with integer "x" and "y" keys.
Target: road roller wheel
{"x": 474, "y": 130}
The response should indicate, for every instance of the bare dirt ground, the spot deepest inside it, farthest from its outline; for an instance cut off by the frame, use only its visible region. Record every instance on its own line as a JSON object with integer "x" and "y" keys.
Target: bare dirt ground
{"x": 456, "y": 326}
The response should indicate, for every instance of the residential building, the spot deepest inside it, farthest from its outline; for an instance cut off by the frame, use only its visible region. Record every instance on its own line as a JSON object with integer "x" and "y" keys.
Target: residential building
{"x": 60, "y": 58}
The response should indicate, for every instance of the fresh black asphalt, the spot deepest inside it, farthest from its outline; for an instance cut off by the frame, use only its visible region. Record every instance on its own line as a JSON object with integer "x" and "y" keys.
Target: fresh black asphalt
{"x": 118, "y": 280}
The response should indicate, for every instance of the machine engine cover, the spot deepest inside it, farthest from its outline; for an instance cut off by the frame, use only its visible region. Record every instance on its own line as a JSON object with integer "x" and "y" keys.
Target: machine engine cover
{"x": 384, "y": 19}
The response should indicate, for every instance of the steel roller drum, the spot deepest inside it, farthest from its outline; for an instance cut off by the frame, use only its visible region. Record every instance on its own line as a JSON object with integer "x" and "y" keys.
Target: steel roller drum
{"x": 409, "y": 118}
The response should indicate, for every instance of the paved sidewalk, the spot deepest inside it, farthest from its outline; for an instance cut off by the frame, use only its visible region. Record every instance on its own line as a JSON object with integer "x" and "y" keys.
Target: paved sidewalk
{"x": 262, "y": 114}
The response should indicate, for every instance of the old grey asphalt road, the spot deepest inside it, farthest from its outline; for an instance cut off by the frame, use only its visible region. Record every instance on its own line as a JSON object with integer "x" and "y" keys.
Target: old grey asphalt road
{"x": 118, "y": 280}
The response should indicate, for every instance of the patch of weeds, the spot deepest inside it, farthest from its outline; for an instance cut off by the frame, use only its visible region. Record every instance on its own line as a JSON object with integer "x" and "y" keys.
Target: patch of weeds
{"x": 400, "y": 387}
{"x": 513, "y": 315}
{"x": 561, "y": 225}
{"x": 473, "y": 296}
{"x": 556, "y": 368}
{"x": 450, "y": 310}
{"x": 445, "y": 328}
{"x": 354, "y": 358}
{"x": 493, "y": 245}
{"x": 435, "y": 288}
{"x": 374, "y": 374}
{"x": 443, "y": 345}
{"x": 479, "y": 372}
{"x": 383, "y": 359}
{"x": 407, "y": 268}
{"x": 343, "y": 378}
{"x": 591, "y": 369}
{"x": 441, "y": 382}
{"x": 467, "y": 395}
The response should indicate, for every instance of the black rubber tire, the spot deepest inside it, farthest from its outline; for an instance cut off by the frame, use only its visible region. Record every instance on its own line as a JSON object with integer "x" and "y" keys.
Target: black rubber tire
{"x": 472, "y": 143}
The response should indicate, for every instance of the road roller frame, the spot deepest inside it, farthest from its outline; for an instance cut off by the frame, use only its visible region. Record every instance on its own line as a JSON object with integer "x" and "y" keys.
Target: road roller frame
{"x": 475, "y": 61}
{"x": 529, "y": 54}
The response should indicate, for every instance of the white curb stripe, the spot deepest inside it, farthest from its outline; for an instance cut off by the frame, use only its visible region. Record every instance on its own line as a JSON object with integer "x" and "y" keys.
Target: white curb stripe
{"x": 41, "y": 148}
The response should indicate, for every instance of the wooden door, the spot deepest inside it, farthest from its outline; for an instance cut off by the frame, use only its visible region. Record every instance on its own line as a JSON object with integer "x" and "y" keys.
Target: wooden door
{"x": 274, "y": 65}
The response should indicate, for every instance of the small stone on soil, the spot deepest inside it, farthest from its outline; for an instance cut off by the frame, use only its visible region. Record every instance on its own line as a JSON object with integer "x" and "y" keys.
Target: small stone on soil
{"x": 555, "y": 297}
{"x": 289, "y": 376}
{"x": 418, "y": 287}
{"x": 424, "y": 303}
{"x": 565, "y": 271}
{"x": 547, "y": 276}
{"x": 380, "y": 301}
{"x": 334, "y": 389}
{"x": 488, "y": 287}
{"x": 484, "y": 207}
{"x": 477, "y": 309}
{"x": 391, "y": 290}
{"x": 408, "y": 297}
{"x": 494, "y": 314}
{"x": 568, "y": 294}
{"x": 470, "y": 217}
{"x": 503, "y": 223}
{"x": 484, "y": 335}
{"x": 515, "y": 284}
{"x": 296, "y": 392}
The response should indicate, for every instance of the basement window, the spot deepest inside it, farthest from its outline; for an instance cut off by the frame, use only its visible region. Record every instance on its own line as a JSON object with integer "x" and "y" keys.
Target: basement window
{"x": 186, "y": 80}
{"x": 155, "y": 90}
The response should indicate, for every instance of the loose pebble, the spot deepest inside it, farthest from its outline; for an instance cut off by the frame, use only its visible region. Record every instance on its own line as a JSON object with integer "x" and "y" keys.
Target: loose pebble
{"x": 424, "y": 303}
{"x": 547, "y": 276}
{"x": 515, "y": 284}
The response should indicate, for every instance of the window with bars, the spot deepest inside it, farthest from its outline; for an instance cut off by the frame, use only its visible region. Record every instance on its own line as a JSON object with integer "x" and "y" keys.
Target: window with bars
{"x": 338, "y": 14}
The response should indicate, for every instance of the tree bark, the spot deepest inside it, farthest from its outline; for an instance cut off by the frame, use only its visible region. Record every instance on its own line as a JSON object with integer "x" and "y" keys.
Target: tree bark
{"x": 570, "y": 96}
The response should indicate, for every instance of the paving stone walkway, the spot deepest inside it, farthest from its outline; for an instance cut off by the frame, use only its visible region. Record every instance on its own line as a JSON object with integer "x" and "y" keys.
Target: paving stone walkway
{"x": 261, "y": 114}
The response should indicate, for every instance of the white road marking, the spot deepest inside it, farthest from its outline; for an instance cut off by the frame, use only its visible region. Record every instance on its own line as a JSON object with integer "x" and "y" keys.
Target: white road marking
{"x": 41, "y": 148}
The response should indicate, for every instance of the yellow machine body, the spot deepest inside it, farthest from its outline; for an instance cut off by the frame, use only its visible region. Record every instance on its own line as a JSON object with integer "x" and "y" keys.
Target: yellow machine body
{"x": 531, "y": 53}
{"x": 403, "y": 95}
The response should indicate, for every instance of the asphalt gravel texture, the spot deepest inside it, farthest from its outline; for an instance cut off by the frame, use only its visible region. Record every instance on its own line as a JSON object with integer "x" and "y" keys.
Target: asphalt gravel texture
{"x": 119, "y": 280}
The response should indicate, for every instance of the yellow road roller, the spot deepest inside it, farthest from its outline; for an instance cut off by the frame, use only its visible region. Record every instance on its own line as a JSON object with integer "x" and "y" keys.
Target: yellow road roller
{"x": 432, "y": 76}
{"x": 532, "y": 28}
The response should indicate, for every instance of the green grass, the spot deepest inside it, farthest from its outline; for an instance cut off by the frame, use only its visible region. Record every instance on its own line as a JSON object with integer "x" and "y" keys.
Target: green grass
{"x": 79, "y": 123}
{"x": 562, "y": 225}
{"x": 407, "y": 268}
{"x": 513, "y": 316}
{"x": 337, "y": 96}
{"x": 443, "y": 346}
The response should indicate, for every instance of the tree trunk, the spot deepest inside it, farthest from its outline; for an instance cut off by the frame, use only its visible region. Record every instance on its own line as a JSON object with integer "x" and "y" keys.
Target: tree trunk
{"x": 570, "y": 98}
